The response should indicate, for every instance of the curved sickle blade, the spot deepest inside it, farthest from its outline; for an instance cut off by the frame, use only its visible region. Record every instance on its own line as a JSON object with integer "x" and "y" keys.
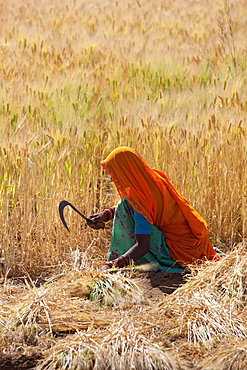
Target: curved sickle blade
{"x": 61, "y": 207}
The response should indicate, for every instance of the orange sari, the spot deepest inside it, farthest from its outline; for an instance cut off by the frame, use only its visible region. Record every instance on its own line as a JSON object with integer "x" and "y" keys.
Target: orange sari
{"x": 150, "y": 193}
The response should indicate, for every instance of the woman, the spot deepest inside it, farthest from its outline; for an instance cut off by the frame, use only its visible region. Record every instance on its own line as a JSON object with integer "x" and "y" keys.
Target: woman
{"x": 153, "y": 223}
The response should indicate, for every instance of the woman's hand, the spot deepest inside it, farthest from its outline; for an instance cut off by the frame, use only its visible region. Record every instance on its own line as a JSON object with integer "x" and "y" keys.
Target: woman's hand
{"x": 108, "y": 265}
{"x": 105, "y": 268}
{"x": 97, "y": 221}
{"x": 136, "y": 252}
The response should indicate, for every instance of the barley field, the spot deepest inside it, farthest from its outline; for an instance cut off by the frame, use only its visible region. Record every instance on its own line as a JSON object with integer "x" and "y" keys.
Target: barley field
{"x": 78, "y": 79}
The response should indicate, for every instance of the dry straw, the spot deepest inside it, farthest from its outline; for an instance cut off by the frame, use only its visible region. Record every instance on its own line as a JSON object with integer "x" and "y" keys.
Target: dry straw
{"x": 212, "y": 304}
{"x": 63, "y": 304}
{"x": 122, "y": 346}
{"x": 120, "y": 330}
{"x": 227, "y": 356}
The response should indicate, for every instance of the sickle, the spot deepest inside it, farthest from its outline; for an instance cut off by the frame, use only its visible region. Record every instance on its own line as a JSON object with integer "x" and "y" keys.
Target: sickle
{"x": 61, "y": 207}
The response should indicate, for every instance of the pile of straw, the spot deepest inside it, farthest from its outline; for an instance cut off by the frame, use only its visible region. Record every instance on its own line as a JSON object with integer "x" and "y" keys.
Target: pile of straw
{"x": 63, "y": 305}
{"x": 123, "y": 345}
{"x": 227, "y": 356}
{"x": 97, "y": 320}
{"x": 212, "y": 304}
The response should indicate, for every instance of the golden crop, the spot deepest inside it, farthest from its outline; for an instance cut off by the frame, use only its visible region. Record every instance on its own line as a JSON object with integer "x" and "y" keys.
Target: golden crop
{"x": 81, "y": 78}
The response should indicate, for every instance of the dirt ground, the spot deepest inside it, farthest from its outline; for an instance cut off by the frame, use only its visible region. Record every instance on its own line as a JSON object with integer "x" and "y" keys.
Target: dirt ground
{"x": 155, "y": 286}
{"x": 22, "y": 363}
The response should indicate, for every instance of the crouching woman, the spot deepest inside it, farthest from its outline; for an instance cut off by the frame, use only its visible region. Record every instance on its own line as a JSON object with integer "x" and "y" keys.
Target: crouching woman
{"x": 152, "y": 223}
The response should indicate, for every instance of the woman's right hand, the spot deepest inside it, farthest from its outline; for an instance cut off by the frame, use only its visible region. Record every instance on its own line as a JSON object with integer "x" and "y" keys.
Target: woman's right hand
{"x": 97, "y": 221}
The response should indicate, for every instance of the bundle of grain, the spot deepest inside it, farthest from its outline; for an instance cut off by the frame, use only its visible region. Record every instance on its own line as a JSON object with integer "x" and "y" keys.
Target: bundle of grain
{"x": 65, "y": 304}
{"x": 122, "y": 346}
{"x": 232, "y": 355}
{"x": 213, "y": 302}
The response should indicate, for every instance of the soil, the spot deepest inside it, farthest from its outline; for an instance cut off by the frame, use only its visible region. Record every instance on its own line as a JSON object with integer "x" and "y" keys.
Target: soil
{"x": 156, "y": 285}
{"x": 22, "y": 363}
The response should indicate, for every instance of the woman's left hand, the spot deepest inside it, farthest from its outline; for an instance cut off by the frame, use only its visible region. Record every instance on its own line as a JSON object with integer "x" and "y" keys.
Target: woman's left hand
{"x": 105, "y": 268}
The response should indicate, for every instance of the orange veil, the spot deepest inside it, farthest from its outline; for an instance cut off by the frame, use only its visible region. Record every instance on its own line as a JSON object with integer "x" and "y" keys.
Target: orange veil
{"x": 151, "y": 193}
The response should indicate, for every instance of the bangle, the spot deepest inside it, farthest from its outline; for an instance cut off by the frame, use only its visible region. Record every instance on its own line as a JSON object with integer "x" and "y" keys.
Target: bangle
{"x": 110, "y": 213}
{"x": 125, "y": 259}
{"x": 110, "y": 263}
{"x": 112, "y": 210}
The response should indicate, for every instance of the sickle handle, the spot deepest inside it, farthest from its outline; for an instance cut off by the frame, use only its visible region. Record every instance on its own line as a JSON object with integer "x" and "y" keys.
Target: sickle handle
{"x": 61, "y": 207}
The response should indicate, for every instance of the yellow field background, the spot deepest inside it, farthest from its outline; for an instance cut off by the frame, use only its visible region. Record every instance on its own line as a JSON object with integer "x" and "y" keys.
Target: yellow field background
{"x": 79, "y": 78}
